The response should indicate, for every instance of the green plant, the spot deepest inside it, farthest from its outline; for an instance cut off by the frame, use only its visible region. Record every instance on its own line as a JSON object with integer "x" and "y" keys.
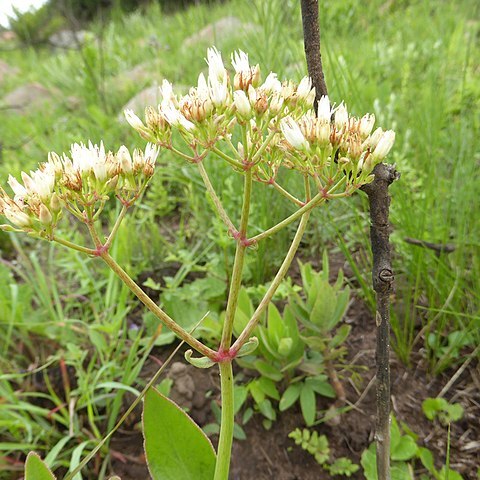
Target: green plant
{"x": 35, "y": 26}
{"x": 317, "y": 445}
{"x": 443, "y": 410}
{"x": 404, "y": 450}
{"x": 276, "y": 127}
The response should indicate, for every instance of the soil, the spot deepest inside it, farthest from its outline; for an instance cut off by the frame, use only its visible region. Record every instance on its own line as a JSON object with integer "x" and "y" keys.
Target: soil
{"x": 267, "y": 455}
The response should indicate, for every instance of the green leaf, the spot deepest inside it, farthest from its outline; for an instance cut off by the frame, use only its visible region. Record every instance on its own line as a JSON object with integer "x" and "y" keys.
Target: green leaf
{"x": 405, "y": 449}
{"x": 239, "y": 396}
{"x": 269, "y": 388}
{"x": 35, "y": 469}
{"x": 199, "y": 362}
{"x": 308, "y": 404}
{"x": 175, "y": 447}
{"x": 340, "y": 336}
{"x": 267, "y": 409}
{"x": 290, "y": 396}
{"x": 321, "y": 385}
{"x": 268, "y": 370}
{"x": 426, "y": 457}
{"x": 248, "y": 347}
{"x": 431, "y": 406}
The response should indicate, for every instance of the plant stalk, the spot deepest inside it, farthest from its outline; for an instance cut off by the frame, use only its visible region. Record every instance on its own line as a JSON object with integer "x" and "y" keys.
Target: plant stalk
{"x": 225, "y": 441}
{"x": 245, "y": 335}
{"x": 236, "y": 281}
{"x": 214, "y": 197}
{"x": 155, "y": 309}
{"x": 382, "y": 275}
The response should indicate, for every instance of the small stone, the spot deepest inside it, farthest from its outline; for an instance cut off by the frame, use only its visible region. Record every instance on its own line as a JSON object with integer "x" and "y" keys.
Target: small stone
{"x": 30, "y": 95}
{"x": 69, "y": 38}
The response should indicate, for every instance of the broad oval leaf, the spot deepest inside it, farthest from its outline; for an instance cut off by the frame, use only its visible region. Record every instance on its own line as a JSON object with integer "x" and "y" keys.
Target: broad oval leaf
{"x": 175, "y": 446}
{"x": 290, "y": 396}
{"x": 35, "y": 469}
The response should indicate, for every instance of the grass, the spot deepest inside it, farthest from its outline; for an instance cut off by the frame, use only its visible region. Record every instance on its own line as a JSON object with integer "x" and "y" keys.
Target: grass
{"x": 412, "y": 63}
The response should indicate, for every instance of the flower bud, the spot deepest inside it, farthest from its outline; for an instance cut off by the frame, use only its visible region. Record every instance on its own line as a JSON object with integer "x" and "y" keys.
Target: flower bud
{"x": 341, "y": 117}
{"x": 44, "y": 215}
{"x": 242, "y": 104}
{"x": 125, "y": 160}
{"x": 55, "y": 203}
{"x": 384, "y": 145}
{"x": 17, "y": 217}
{"x": 133, "y": 120}
{"x": 366, "y": 124}
{"x": 293, "y": 134}
{"x": 324, "y": 112}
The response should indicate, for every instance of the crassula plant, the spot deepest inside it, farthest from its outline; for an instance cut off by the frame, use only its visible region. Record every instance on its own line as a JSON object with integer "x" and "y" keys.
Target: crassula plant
{"x": 256, "y": 127}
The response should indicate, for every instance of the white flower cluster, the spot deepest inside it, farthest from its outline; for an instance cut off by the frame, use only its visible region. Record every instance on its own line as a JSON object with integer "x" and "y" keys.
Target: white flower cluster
{"x": 279, "y": 123}
{"x": 84, "y": 179}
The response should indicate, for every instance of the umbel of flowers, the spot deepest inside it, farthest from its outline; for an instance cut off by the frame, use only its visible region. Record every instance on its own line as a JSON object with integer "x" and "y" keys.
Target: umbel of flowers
{"x": 277, "y": 127}
{"x": 255, "y": 126}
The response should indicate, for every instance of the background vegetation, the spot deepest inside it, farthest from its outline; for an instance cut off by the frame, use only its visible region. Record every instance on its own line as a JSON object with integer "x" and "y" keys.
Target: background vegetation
{"x": 414, "y": 63}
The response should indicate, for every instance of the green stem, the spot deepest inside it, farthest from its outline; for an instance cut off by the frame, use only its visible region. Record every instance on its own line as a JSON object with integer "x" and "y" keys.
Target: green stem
{"x": 216, "y": 201}
{"x": 227, "y": 158}
{"x": 236, "y": 281}
{"x": 287, "y": 194}
{"x": 245, "y": 335}
{"x": 225, "y": 441}
{"x": 262, "y": 148}
{"x": 155, "y": 309}
{"x": 116, "y": 226}
{"x": 316, "y": 200}
{"x": 74, "y": 246}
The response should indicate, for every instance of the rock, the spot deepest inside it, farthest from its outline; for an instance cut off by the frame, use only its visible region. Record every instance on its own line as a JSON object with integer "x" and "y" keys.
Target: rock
{"x": 30, "y": 95}
{"x": 6, "y": 70}
{"x": 69, "y": 38}
{"x": 7, "y": 36}
{"x": 148, "y": 96}
{"x": 139, "y": 76}
{"x": 220, "y": 30}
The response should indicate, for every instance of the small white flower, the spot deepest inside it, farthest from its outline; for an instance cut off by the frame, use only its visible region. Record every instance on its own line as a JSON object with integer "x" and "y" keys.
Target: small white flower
{"x": 242, "y": 103}
{"x": 374, "y": 138}
{"x": 272, "y": 84}
{"x": 175, "y": 118}
{"x": 218, "y": 91}
{"x": 293, "y": 134}
{"x": 18, "y": 189}
{"x": 124, "y": 159}
{"x": 151, "y": 153}
{"x": 384, "y": 145}
{"x": 166, "y": 91}
{"x": 324, "y": 111}
{"x": 133, "y": 120}
{"x": 240, "y": 62}
{"x": 304, "y": 88}
{"x": 216, "y": 68}
{"x": 341, "y": 116}
{"x": 366, "y": 124}
{"x": 17, "y": 217}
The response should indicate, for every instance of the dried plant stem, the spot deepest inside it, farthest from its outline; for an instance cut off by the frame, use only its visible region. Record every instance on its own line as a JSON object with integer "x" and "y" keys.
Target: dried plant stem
{"x": 311, "y": 35}
{"x": 382, "y": 275}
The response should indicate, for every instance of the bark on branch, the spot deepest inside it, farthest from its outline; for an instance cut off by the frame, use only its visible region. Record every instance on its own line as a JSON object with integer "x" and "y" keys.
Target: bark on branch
{"x": 382, "y": 272}
{"x": 311, "y": 37}
{"x": 382, "y": 277}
